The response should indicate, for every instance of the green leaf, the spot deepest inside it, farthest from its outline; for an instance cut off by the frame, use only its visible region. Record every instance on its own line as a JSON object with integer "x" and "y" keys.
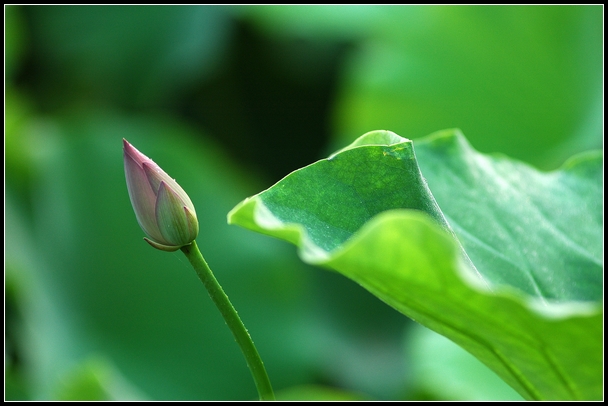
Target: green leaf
{"x": 524, "y": 228}
{"x": 434, "y": 358}
{"x": 529, "y": 303}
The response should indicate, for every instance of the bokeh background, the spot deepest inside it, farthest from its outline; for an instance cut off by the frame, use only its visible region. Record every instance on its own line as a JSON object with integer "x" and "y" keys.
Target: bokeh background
{"x": 228, "y": 100}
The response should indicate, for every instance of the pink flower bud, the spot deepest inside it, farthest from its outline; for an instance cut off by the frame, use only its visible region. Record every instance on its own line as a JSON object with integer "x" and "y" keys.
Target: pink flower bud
{"x": 163, "y": 210}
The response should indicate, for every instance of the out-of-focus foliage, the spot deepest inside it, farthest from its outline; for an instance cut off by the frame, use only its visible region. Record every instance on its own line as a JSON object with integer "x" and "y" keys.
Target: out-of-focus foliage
{"x": 530, "y": 76}
{"x": 230, "y": 99}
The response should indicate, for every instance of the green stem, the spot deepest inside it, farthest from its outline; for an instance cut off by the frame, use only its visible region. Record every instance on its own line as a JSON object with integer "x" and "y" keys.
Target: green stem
{"x": 254, "y": 362}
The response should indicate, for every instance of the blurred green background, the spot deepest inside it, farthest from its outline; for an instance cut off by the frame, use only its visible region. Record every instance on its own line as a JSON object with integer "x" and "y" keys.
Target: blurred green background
{"x": 228, "y": 100}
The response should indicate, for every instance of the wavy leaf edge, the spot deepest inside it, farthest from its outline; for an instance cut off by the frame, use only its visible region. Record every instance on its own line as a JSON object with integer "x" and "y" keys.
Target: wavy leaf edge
{"x": 264, "y": 222}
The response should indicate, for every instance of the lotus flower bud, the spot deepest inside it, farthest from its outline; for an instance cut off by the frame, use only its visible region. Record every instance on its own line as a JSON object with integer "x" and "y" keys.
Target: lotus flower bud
{"x": 163, "y": 210}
